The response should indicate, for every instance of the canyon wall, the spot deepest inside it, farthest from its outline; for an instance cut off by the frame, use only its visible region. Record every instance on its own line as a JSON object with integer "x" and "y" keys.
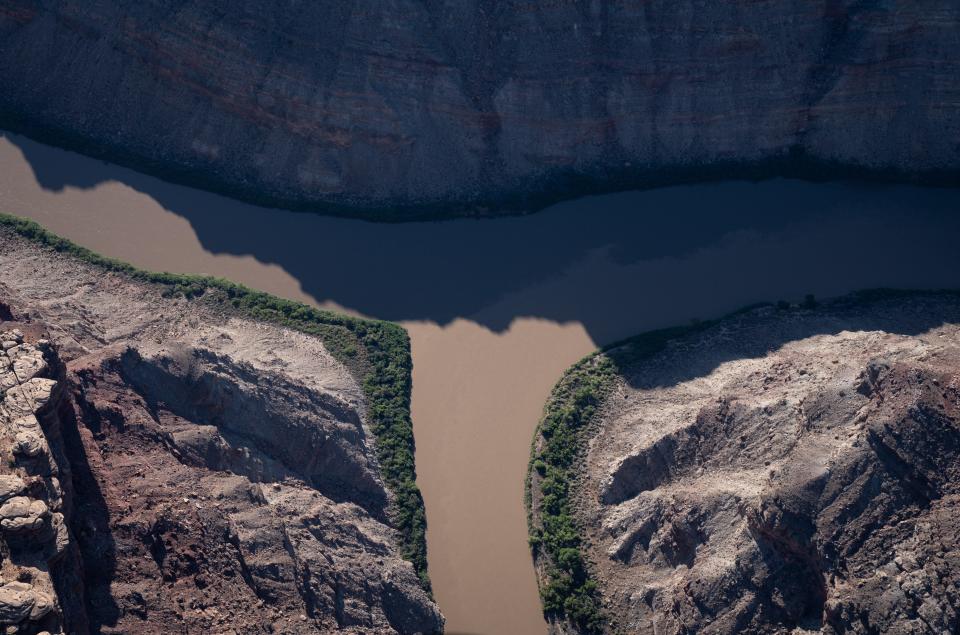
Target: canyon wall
{"x": 405, "y": 109}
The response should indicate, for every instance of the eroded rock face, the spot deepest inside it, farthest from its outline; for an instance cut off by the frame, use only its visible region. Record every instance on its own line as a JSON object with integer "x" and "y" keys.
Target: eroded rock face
{"x": 169, "y": 468}
{"x": 408, "y": 103}
{"x": 215, "y": 519}
{"x": 38, "y": 555}
{"x": 805, "y": 475}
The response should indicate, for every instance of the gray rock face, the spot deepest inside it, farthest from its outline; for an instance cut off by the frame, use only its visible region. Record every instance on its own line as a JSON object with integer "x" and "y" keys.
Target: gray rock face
{"x": 10, "y": 485}
{"x": 351, "y": 107}
{"x": 805, "y": 479}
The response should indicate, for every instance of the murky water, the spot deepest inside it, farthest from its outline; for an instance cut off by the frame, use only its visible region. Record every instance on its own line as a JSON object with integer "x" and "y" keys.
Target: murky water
{"x": 497, "y": 309}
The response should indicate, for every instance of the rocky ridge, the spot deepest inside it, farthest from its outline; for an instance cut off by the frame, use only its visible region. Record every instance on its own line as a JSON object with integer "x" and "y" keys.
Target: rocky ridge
{"x": 781, "y": 471}
{"x": 176, "y": 468}
{"x": 410, "y": 109}
{"x": 39, "y": 555}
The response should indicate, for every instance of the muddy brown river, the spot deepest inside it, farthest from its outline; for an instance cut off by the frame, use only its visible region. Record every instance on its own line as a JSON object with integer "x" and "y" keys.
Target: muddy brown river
{"x": 497, "y": 309}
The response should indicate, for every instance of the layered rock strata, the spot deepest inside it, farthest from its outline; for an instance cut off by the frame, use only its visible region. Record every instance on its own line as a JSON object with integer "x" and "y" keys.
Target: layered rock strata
{"x": 405, "y": 109}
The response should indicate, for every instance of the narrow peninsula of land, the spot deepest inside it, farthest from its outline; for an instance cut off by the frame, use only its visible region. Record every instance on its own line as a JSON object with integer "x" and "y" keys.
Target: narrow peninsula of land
{"x": 184, "y": 453}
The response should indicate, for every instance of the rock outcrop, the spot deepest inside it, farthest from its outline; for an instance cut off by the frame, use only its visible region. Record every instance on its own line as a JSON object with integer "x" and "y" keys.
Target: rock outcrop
{"x": 783, "y": 471}
{"x": 404, "y": 109}
{"x": 175, "y": 469}
{"x": 40, "y": 588}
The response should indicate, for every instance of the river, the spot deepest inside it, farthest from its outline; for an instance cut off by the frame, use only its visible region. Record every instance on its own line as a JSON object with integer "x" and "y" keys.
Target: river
{"x": 497, "y": 309}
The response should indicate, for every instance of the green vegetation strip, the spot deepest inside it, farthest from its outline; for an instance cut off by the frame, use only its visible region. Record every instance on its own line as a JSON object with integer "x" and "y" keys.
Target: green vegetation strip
{"x": 567, "y": 590}
{"x": 376, "y": 352}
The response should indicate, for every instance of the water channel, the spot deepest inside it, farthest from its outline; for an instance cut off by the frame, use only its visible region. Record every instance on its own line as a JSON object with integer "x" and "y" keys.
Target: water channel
{"x": 497, "y": 309}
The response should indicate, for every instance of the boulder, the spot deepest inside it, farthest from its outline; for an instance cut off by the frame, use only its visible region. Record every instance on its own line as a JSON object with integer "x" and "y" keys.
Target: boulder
{"x": 11, "y": 485}
{"x": 17, "y": 600}
{"x": 22, "y": 514}
{"x": 30, "y": 444}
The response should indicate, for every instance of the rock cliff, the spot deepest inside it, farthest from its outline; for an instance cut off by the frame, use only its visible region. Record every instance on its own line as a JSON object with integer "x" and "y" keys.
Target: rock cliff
{"x": 41, "y": 588}
{"x": 171, "y": 467}
{"x": 781, "y": 471}
{"x": 404, "y": 109}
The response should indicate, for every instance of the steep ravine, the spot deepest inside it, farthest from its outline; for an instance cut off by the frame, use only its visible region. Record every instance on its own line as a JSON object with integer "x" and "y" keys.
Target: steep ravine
{"x": 413, "y": 109}
{"x": 174, "y": 463}
{"x": 785, "y": 469}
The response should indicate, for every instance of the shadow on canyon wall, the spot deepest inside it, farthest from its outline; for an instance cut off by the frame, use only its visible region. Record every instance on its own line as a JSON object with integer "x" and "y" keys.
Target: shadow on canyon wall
{"x": 664, "y": 255}
{"x": 90, "y": 523}
{"x": 904, "y": 312}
